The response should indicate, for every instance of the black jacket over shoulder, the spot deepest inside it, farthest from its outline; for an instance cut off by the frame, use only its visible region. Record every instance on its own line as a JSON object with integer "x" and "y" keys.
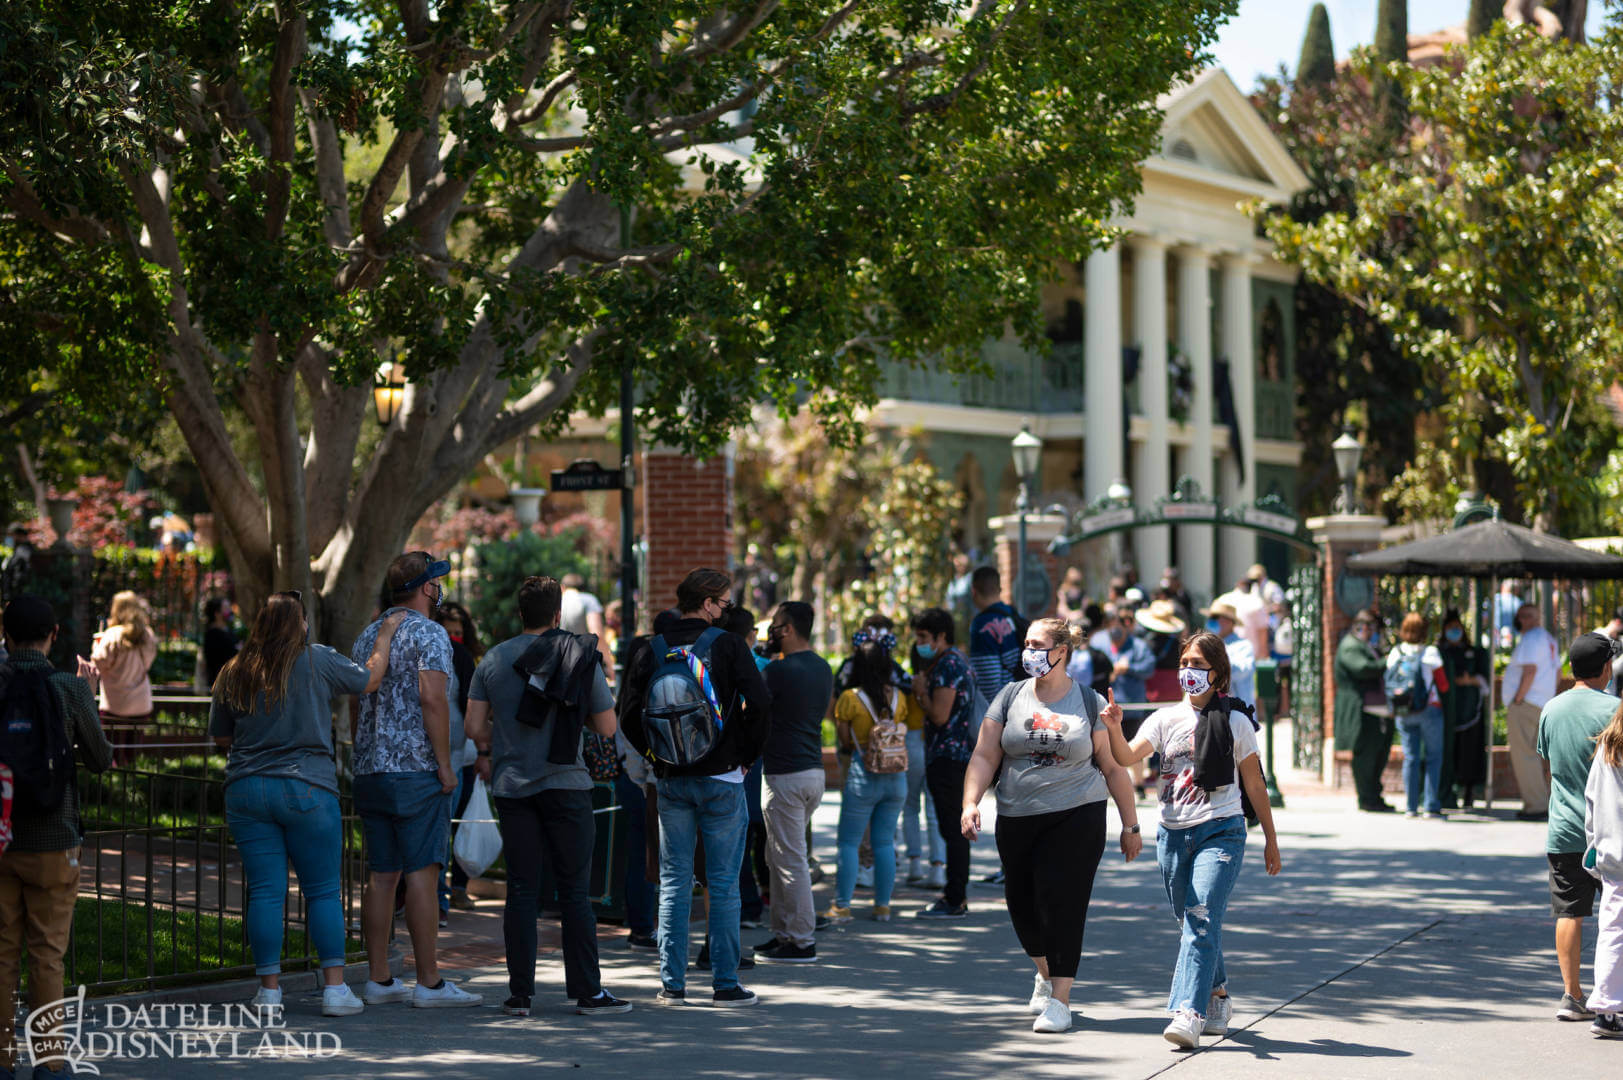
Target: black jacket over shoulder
{"x": 557, "y": 671}
{"x": 745, "y": 703}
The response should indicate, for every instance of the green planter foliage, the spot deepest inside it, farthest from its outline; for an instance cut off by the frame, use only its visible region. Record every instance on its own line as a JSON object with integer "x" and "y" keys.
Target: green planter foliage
{"x": 502, "y": 567}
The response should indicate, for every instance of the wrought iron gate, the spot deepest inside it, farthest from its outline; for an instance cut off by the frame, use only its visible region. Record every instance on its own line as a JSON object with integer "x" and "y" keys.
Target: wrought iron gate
{"x": 1307, "y": 667}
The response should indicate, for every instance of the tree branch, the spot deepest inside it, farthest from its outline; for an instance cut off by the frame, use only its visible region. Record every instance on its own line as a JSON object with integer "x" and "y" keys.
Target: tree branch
{"x": 529, "y": 114}
{"x": 937, "y": 103}
{"x": 329, "y": 155}
{"x": 728, "y": 35}
{"x": 290, "y": 45}
{"x": 25, "y": 202}
{"x": 337, "y": 414}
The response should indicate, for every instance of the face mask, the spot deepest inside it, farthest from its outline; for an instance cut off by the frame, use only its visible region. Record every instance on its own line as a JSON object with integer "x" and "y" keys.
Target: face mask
{"x": 1118, "y": 634}
{"x": 457, "y": 638}
{"x": 1454, "y": 633}
{"x": 1194, "y": 681}
{"x": 926, "y": 652}
{"x": 1211, "y": 624}
{"x": 1036, "y": 662}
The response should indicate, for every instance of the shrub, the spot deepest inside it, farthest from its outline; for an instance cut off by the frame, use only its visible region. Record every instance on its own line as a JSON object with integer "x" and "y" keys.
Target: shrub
{"x": 502, "y": 567}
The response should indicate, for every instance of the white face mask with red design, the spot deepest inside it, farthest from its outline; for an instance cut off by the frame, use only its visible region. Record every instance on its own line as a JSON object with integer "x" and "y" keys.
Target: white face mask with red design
{"x": 1194, "y": 681}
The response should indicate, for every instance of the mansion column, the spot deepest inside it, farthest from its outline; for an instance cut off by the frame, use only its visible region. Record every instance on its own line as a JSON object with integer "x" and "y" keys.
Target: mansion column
{"x": 1103, "y": 443}
{"x": 1239, "y": 547}
{"x": 1197, "y": 544}
{"x": 1152, "y": 461}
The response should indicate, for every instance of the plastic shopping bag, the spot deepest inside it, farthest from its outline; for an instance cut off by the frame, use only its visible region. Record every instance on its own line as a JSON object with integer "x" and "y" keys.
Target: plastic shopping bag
{"x": 478, "y": 840}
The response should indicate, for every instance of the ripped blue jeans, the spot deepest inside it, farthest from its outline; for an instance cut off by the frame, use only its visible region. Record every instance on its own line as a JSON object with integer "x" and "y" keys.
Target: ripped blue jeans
{"x": 1199, "y": 866}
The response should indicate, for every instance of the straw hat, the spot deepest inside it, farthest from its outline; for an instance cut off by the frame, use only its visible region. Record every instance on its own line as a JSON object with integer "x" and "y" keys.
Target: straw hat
{"x": 1222, "y": 610}
{"x": 1161, "y": 617}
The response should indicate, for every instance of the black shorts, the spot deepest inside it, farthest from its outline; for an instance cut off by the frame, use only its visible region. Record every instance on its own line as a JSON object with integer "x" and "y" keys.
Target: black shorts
{"x": 1572, "y": 888}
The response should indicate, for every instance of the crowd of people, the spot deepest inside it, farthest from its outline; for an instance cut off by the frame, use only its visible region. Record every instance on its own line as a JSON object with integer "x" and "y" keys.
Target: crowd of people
{"x": 715, "y": 742}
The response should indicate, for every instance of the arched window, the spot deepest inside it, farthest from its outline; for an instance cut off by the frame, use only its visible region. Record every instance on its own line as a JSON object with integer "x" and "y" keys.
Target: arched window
{"x": 1271, "y": 361}
{"x": 1182, "y": 149}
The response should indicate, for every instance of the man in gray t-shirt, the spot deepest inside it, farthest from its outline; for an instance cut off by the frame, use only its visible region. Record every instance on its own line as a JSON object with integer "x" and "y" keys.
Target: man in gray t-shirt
{"x": 545, "y": 807}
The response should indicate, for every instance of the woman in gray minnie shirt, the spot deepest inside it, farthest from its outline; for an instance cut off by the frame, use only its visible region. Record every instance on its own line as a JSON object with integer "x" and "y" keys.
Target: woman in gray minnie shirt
{"x": 1057, "y": 772}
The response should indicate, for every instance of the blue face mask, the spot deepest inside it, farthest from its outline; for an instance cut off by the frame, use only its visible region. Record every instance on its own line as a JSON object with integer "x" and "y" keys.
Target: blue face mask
{"x": 926, "y": 652}
{"x": 1454, "y": 633}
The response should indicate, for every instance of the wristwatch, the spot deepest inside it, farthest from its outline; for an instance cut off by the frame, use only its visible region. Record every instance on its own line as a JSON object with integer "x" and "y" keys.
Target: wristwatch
{"x": 1132, "y": 829}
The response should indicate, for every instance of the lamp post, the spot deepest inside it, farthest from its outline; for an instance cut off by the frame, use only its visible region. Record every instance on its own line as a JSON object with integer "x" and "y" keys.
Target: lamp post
{"x": 389, "y": 391}
{"x": 1027, "y": 450}
{"x": 1348, "y": 451}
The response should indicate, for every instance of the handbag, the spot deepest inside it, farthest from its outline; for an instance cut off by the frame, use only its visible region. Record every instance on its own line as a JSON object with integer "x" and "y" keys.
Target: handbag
{"x": 478, "y": 841}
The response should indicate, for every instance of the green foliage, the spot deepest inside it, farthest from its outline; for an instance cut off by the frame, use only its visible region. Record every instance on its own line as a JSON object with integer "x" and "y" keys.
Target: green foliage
{"x": 1317, "y": 64}
{"x": 1490, "y": 255}
{"x": 1391, "y": 48}
{"x": 503, "y": 566}
{"x": 1482, "y": 16}
{"x": 909, "y": 525}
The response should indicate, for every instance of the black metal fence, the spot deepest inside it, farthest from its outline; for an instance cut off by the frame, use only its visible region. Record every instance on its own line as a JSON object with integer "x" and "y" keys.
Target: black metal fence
{"x": 163, "y": 894}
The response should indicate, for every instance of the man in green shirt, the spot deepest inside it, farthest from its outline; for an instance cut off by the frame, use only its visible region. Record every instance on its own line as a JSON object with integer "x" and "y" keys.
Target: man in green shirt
{"x": 1363, "y": 718}
{"x": 1567, "y": 728}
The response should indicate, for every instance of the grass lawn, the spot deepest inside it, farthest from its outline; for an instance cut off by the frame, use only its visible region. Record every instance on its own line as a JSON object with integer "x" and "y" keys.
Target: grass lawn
{"x": 185, "y": 947}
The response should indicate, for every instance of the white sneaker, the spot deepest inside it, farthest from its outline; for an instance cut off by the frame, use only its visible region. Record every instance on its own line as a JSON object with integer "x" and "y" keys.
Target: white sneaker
{"x": 376, "y": 993}
{"x": 937, "y": 878}
{"x": 340, "y": 1000}
{"x": 914, "y": 871}
{"x": 864, "y": 877}
{"x": 263, "y": 998}
{"x": 1056, "y": 1017}
{"x": 447, "y": 996}
{"x": 1184, "y": 1030}
{"x": 1041, "y": 991}
{"x": 1218, "y": 1011}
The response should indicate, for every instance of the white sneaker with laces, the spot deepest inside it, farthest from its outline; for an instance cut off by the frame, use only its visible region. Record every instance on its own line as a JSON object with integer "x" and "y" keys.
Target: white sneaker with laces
{"x": 1041, "y": 991}
{"x": 1056, "y": 1017}
{"x": 376, "y": 993}
{"x": 448, "y": 995}
{"x": 1184, "y": 1029}
{"x": 1218, "y": 1011}
{"x": 264, "y": 997}
{"x": 340, "y": 1000}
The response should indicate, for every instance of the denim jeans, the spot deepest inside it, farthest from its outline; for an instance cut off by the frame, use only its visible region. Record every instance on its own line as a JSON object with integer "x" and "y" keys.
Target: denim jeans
{"x": 870, "y": 800}
{"x": 642, "y": 895}
{"x": 1422, "y": 734}
{"x": 274, "y": 819}
{"x": 928, "y": 841}
{"x": 691, "y": 807}
{"x": 1199, "y": 866}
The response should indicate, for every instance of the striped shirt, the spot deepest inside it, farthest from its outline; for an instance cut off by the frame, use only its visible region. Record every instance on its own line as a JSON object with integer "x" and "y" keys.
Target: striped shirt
{"x": 59, "y": 829}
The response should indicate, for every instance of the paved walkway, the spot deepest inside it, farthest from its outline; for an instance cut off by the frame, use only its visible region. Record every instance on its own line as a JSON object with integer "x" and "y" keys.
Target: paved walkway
{"x": 1387, "y": 948}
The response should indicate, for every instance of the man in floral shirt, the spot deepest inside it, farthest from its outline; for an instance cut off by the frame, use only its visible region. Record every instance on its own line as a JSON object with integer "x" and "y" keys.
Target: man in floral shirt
{"x": 404, "y": 780}
{"x": 946, "y": 690}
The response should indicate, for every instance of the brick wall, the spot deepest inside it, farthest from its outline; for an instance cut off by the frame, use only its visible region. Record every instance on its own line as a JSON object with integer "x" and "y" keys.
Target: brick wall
{"x": 1342, "y": 538}
{"x": 687, "y": 514}
{"x": 1036, "y": 554}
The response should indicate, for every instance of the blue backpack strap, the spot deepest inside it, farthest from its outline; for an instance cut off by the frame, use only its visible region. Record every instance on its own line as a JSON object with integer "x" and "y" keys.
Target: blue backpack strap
{"x": 660, "y": 648}
{"x": 706, "y": 640}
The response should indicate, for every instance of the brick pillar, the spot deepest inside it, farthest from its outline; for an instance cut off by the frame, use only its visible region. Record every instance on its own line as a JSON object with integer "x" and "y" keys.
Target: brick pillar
{"x": 1040, "y": 529}
{"x": 687, "y": 515}
{"x": 1342, "y": 536}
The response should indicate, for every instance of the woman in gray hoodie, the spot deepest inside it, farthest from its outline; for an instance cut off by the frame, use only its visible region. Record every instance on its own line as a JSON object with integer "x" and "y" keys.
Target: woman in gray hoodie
{"x": 1603, "y": 829}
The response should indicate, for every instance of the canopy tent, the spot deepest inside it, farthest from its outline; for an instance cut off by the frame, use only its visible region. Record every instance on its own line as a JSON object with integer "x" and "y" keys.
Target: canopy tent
{"x": 1490, "y": 549}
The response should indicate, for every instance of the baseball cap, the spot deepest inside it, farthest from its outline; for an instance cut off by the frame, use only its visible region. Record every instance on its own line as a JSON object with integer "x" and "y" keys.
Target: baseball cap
{"x": 1590, "y": 654}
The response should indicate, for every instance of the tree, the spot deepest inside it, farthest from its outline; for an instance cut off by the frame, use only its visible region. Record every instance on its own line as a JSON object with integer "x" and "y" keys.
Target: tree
{"x": 1317, "y": 64}
{"x": 1391, "y": 47}
{"x": 1490, "y": 255}
{"x": 257, "y": 202}
{"x": 1483, "y": 14}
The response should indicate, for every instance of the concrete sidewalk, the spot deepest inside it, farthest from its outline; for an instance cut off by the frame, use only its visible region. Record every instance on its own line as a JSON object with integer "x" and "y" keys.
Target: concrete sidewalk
{"x": 1387, "y": 948}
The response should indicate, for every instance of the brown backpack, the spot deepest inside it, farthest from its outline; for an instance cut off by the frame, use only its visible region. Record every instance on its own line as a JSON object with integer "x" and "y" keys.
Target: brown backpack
{"x": 886, "y": 749}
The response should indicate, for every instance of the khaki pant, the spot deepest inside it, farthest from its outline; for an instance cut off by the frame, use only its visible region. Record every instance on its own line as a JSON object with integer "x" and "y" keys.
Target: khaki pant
{"x": 1522, "y": 721}
{"x": 37, "y": 892}
{"x": 787, "y": 807}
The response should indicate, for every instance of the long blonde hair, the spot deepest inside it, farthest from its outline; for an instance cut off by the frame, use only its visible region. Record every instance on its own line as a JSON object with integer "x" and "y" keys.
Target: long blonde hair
{"x": 1609, "y": 743}
{"x": 130, "y": 613}
{"x": 266, "y": 659}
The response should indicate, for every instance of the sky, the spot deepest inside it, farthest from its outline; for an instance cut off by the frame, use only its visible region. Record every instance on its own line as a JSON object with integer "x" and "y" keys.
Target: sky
{"x": 1267, "y": 33}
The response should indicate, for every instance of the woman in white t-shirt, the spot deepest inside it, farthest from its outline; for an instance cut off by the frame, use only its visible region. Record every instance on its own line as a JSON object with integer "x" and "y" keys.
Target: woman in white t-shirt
{"x": 1200, "y": 842}
{"x": 1421, "y": 730}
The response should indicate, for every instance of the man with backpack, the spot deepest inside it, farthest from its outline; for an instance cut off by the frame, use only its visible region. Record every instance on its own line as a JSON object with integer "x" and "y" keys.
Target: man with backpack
{"x": 43, "y": 714}
{"x": 801, "y": 684}
{"x": 695, "y": 706}
{"x": 531, "y": 697}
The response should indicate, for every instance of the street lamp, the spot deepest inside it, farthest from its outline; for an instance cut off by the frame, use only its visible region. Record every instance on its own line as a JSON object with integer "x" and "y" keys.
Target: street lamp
{"x": 1348, "y": 451}
{"x": 389, "y": 391}
{"x": 1119, "y": 493}
{"x": 1027, "y": 450}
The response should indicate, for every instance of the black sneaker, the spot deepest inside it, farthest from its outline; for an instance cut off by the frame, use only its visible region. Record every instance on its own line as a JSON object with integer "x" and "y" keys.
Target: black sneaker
{"x": 601, "y": 1005}
{"x": 736, "y": 998}
{"x": 1607, "y": 1026}
{"x": 943, "y": 910}
{"x": 516, "y": 1006}
{"x": 667, "y": 996}
{"x": 642, "y": 943}
{"x": 993, "y": 879}
{"x": 787, "y": 952}
{"x": 822, "y": 923}
{"x": 766, "y": 946}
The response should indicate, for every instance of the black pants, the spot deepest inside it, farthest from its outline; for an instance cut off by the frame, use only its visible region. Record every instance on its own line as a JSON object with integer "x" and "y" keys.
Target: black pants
{"x": 1049, "y": 861}
{"x": 556, "y": 826}
{"x": 946, "y": 782}
{"x": 1371, "y": 748}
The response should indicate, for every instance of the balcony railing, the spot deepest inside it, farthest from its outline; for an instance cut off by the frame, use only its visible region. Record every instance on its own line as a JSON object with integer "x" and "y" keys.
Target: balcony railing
{"x": 1276, "y": 410}
{"x": 1019, "y": 381}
